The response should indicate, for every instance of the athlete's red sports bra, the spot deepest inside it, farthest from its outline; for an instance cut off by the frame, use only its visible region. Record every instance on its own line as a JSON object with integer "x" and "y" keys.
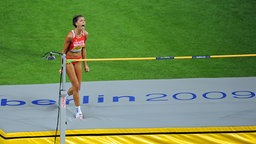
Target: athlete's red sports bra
{"x": 77, "y": 44}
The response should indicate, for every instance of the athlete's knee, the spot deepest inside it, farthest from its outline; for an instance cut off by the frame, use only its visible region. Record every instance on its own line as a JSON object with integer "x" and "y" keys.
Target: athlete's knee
{"x": 76, "y": 87}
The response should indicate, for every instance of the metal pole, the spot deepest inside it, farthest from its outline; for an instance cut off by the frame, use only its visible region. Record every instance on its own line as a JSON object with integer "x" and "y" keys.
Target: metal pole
{"x": 63, "y": 103}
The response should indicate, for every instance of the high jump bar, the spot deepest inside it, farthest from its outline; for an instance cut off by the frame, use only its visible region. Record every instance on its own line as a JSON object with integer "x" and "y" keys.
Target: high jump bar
{"x": 163, "y": 58}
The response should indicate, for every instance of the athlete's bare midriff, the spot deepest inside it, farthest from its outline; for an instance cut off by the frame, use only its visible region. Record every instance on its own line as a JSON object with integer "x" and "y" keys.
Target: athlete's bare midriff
{"x": 74, "y": 54}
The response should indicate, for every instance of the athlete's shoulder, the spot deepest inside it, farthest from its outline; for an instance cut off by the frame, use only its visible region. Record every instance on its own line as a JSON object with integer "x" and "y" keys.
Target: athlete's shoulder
{"x": 70, "y": 34}
{"x": 69, "y": 37}
{"x": 85, "y": 33}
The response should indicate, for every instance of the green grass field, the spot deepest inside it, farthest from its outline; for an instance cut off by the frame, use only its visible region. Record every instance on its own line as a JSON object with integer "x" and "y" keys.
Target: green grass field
{"x": 119, "y": 28}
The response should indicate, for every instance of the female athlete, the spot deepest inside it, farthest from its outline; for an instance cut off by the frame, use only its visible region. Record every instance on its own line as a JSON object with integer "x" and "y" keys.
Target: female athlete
{"x": 74, "y": 48}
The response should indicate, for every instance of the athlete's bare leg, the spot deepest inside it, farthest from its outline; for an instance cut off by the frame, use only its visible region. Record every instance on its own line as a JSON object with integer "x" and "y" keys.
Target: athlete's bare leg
{"x": 75, "y": 76}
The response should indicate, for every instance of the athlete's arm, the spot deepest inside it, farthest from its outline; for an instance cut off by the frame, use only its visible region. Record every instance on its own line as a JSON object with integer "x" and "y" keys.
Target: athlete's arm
{"x": 66, "y": 43}
{"x": 84, "y": 53}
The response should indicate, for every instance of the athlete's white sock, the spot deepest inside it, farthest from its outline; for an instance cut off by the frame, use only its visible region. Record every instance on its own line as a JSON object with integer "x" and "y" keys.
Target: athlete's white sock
{"x": 78, "y": 109}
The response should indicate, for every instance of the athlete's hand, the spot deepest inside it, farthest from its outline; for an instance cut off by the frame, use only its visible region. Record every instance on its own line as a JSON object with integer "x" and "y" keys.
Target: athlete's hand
{"x": 60, "y": 71}
{"x": 86, "y": 68}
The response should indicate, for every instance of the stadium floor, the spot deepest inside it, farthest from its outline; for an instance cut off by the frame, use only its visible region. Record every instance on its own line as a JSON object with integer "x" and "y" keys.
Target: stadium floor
{"x": 132, "y": 108}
